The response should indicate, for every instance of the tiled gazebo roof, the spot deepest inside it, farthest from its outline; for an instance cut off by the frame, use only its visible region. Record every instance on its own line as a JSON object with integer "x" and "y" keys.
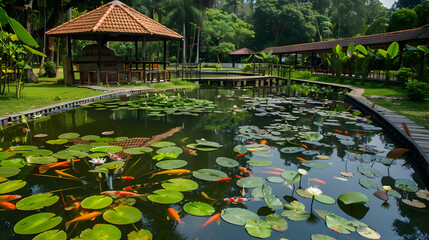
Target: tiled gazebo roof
{"x": 116, "y": 21}
{"x": 410, "y": 36}
{"x": 243, "y": 51}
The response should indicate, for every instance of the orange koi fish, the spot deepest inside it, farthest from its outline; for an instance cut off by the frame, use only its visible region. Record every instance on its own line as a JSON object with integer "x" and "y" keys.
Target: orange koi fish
{"x": 26, "y": 130}
{"x": 63, "y": 174}
{"x": 278, "y": 169}
{"x": 240, "y": 155}
{"x": 214, "y": 218}
{"x": 346, "y": 132}
{"x": 304, "y": 146}
{"x": 128, "y": 188}
{"x": 189, "y": 151}
{"x": 264, "y": 142}
{"x": 8, "y": 198}
{"x": 270, "y": 172}
{"x": 238, "y": 176}
{"x": 7, "y": 206}
{"x": 174, "y": 214}
{"x": 126, "y": 178}
{"x": 338, "y": 131}
{"x": 118, "y": 194}
{"x": 45, "y": 167}
{"x": 360, "y": 134}
{"x": 172, "y": 171}
{"x": 224, "y": 179}
{"x": 316, "y": 181}
{"x": 245, "y": 171}
{"x": 301, "y": 159}
{"x": 89, "y": 216}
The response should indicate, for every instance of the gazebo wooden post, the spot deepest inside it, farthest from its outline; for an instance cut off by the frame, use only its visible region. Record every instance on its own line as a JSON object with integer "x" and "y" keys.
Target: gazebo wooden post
{"x": 165, "y": 54}
{"x": 144, "y": 59}
{"x": 98, "y": 64}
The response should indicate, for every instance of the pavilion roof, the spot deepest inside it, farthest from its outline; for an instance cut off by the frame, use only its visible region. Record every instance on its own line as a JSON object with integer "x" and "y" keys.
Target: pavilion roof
{"x": 410, "y": 36}
{"x": 243, "y": 51}
{"x": 114, "y": 21}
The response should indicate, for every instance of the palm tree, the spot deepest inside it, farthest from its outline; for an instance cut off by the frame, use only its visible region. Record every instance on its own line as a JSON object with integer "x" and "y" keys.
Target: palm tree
{"x": 183, "y": 11}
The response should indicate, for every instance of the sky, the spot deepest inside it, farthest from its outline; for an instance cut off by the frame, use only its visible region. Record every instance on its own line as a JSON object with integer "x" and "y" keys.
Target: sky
{"x": 387, "y": 3}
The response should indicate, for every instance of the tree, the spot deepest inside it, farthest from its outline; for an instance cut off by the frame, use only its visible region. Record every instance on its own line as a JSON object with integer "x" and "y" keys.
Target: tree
{"x": 388, "y": 57}
{"x": 402, "y": 19}
{"x": 349, "y": 16}
{"x": 378, "y": 26}
{"x": 422, "y": 11}
{"x": 406, "y": 4}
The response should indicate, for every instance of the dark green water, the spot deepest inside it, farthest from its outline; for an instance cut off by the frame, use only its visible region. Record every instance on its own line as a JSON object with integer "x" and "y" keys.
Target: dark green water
{"x": 398, "y": 221}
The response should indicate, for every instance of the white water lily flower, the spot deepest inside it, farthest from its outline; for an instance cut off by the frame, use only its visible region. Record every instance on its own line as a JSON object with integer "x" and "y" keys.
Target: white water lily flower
{"x": 314, "y": 191}
{"x": 98, "y": 160}
{"x": 302, "y": 171}
{"x": 387, "y": 188}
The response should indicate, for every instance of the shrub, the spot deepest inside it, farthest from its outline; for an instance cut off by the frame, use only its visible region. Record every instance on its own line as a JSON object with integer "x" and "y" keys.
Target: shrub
{"x": 416, "y": 90}
{"x": 247, "y": 68}
{"x": 404, "y": 74}
{"x": 306, "y": 74}
{"x": 50, "y": 69}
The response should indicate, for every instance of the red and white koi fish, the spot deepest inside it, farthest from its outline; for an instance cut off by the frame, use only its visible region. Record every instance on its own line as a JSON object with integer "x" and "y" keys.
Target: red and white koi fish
{"x": 189, "y": 151}
{"x": 235, "y": 200}
{"x": 126, "y": 178}
{"x": 118, "y": 194}
{"x": 89, "y": 216}
{"x": 7, "y": 206}
{"x": 243, "y": 192}
{"x": 214, "y": 218}
{"x": 8, "y": 198}
{"x": 315, "y": 181}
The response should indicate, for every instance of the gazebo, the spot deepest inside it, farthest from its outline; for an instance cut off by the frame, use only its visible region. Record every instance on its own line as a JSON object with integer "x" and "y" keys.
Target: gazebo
{"x": 240, "y": 53}
{"x": 114, "y": 21}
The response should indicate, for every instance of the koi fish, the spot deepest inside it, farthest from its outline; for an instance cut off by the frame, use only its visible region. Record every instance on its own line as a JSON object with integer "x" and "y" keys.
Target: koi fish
{"x": 251, "y": 142}
{"x": 243, "y": 192}
{"x": 115, "y": 157}
{"x": 360, "y": 134}
{"x": 174, "y": 214}
{"x": 63, "y": 174}
{"x": 26, "y": 130}
{"x": 189, "y": 151}
{"x": 214, "y": 218}
{"x": 264, "y": 142}
{"x": 235, "y": 200}
{"x": 316, "y": 181}
{"x": 245, "y": 171}
{"x": 172, "y": 171}
{"x": 278, "y": 169}
{"x": 301, "y": 159}
{"x": 304, "y": 146}
{"x": 270, "y": 172}
{"x": 128, "y": 188}
{"x": 207, "y": 196}
{"x": 7, "y": 206}
{"x": 346, "y": 132}
{"x": 45, "y": 167}
{"x": 126, "y": 178}
{"x": 89, "y": 216}
{"x": 184, "y": 139}
{"x": 341, "y": 179}
{"x": 118, "y": 194}
{"x": 338, "y": 131}
{"x": 238, "y": 176}
{"x": 8, "y": 198}
{"x": 224, "y": 179}
{"x": 240, "y": 155}
{"x": 76, "y": 205}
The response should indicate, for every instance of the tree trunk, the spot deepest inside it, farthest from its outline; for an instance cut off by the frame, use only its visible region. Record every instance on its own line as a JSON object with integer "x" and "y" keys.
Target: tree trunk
{"x": 192, "y": 46}
{"x": 184, "y": 44}
{"x": 28, "y": 73}
{"x": 197, "y": 57}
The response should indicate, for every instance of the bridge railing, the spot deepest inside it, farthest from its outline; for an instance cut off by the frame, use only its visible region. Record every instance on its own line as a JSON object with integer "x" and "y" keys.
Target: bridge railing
{"x": 271, "y": 69}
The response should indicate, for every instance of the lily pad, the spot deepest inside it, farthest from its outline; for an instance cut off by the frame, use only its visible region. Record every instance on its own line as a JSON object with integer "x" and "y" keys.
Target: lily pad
{"x": 271, "y": 200}
{"x": 316, "y": 164}
{"x": 174, "y": 150}
{"x": 301, "y": 192}
{"x": 292, "y": 149}
{"x": 414, "y": 203}
{"x": 81, "y": 147}
{"x": 70, "y": 154}
{"x": 289, "y": 174}
{"x": 313, "y": 136}
{"x": 397, "y": 153}
{"x": 324, "y": 199}
{"x": 114, "y": 164}
{"x": 162, "y": 144}
{"x": 209, "y": 174}
{"x": 277, "y": 222}
{"x": 180, "y": 184}
{"x": 96, "y": 202}
{"x": 275, "y": 179}
{"x": 368, "y": 232}
{"x": 55, "y": 234}
{"x": 37, "y": 201}
{"x": 140, "y": 235}
{"x": 69, "y": 135}
{"x": 165, "y": 196}
{"x": 406, "y": 184}
{"x": 207, "y": 144}
{"x": 101, "y": 232}
{"x": 38, "y": 153}
{"x": 260, "y": 163}
{"x": 41, "y": 160}
{"x": 138, "y": 150}
{"x": 226, "y": 162}
{"x": 322, "y": 213}
{"x": 57, "y": 141}
{"x": 239, "y": 216}
{"x": 90, "y": 137}
{"x": 17, "y": 162}
{"x": 295, "y": 215}
{"x": 9, "y": 171}
{"x": 37, "y": 223}
{"x": 23, "y": 148}
{"x": 368, "y": 171}
{"x": 107, "y": 149}
{"x": 122, "y": 215}
{"x": 10, "y": 186}
{"x": 259, "y": 229}
{"x": 250, "y": 182}
{"x": 339, "y": 224}
{"x": 353, "y": 198}
{"x": 6, "y": 155}
{"x": 199, "y": 209}
{"x": 265, "y": 154}
{"x": 171, "y": 164}
{"x": 366, "y": 183}
{"x": 381, "y": 194}
{"x": 321, "y": 237}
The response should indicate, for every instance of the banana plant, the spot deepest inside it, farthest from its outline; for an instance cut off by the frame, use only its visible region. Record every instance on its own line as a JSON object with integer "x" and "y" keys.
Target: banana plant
{"x": 388, "y": 57}
{"x": 338, "y": 59}
{"x": 365, "y": 56}
{"x": 424, "y": 51}
{"x": 17, "y": 50}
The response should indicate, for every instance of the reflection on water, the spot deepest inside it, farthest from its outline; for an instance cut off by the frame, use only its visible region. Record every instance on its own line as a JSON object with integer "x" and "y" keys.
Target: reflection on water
{"x": 392, "y": 219}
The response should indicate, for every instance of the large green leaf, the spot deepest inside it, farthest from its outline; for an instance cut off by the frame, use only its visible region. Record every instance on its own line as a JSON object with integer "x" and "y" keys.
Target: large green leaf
{"x": 226, "y": 162}
{"x": 69, "y": 135}
{"x": 96, "y": 202}
{"x": 140, "y": 235}
{"x": 260, "y": 163}
{"x": 324, "y": 199}
{"x": 34, "y": 51}
{"x": 368, "y": 232}
{"x": 199, "y": 209}
{"x": 42, "y": 160}
{"x": 174, "y": 150}
{"x": 277, "y": 222}
{"x": 209, "y": 174}
{"x": 369, "y": 171}
{"x": 122, "y": 215}
{"x": 57, "y": 141}
{"x": 100, "y": 232}
{"x": 259, "y": 229}
{"x": 171, "y": 164}
{"x": 6, "y": 155}
{"x": 138, "y": 150}
{"x": 3, "y": 17}
{"x": 316, "y": 164}
{"x": 37, "y": 201}
{"x": 180, "y": 184}
{"x": 271, "y": 200}
{"x": 321, "y": 237}
{"x": 37, "y": 223}
{"x": 70, "y": 154}
{"x": 38, "y": 153}
{"x": 250, "y": 182}
{"x": 81, "y": 147}
{"x": 22, "y": 34}
{"x": 339, "y": 224}
{"x": 162, "y": 144}
{"x": 9, "y": 171}
{"x": 353, "y": 198}
{"x": 313, "y": 136}
{"x": 107, "y": 149}
{"x": 239, "y": 216}
{"x": 55, "y": 234}
{"x": 17, "y": 162}
{"x": 366, "y": 183}
{"x": 10, "y": 186}
{"x": 393, "y": 49}
{"x": 406, "y": 184}
{"x": 165, "y": 196}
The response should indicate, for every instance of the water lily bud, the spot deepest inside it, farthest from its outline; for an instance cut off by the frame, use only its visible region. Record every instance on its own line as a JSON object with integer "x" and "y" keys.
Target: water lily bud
{"x": 387, "y": 188}
{"x": 302, "y": 171}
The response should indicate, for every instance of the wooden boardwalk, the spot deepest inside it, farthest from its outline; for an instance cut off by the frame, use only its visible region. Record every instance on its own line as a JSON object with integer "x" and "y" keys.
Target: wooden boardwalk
{"x": 257, "y": 81}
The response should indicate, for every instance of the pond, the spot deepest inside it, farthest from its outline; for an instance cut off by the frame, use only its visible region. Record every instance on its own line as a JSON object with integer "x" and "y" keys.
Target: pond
{"x": 272, "y": 165}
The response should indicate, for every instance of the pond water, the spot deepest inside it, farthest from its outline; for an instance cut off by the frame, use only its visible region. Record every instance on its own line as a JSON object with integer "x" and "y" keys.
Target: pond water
{"x": 268, "y": 134}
